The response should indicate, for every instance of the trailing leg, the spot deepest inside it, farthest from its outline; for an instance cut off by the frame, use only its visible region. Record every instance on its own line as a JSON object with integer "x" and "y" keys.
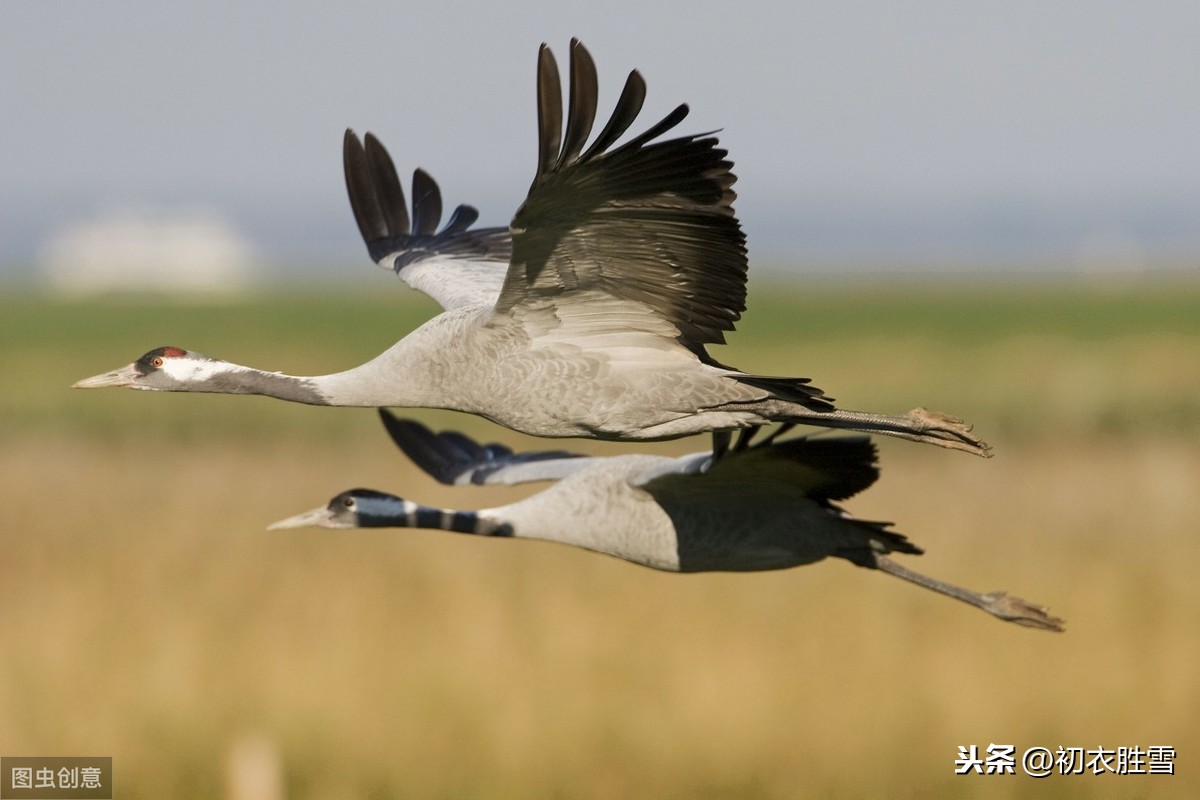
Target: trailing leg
{"x": 998, "y": 604}
{"x": 918, "y": 425}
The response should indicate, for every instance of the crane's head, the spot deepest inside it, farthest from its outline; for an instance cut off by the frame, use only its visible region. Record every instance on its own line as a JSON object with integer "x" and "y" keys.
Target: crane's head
{"x": 356, "y": 508}
{"x": 163, "y": 369}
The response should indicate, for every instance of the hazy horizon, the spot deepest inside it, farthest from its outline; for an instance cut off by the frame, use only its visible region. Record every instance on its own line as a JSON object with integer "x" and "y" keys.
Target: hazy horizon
{"x": 934, "y": 134}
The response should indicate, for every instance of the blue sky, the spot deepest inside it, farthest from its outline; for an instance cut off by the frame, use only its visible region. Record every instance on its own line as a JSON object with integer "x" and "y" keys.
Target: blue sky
{"x": 889, "y": 133}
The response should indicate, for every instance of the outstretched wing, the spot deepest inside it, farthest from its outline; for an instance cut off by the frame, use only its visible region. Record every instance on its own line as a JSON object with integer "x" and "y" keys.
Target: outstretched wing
{"x": 825, "y": 469}
{"x": 650, "y": 223}
{"x": 454, "y": 459}
{"x": 456, "y": 265}
{"x": 828, "y": 468}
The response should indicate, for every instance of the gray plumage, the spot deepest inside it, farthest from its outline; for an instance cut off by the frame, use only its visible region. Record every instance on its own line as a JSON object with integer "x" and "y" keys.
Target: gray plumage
{"x": 761, "y": 507}
{"x": 590, "y": 317}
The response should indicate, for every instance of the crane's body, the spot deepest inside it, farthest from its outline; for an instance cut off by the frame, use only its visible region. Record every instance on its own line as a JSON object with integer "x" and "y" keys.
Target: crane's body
{"x": 590, "y": 315}
{"x": 543, "y": 375}
{"x": 663, "y": 513}
{"x": 760, "y": 507}
{"x": 547, "y": 383}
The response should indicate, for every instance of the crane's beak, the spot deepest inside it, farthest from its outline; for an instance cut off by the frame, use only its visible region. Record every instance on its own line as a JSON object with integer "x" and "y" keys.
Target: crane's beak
{"x": 125, "y": 376}
{"x": 318, "y": 517}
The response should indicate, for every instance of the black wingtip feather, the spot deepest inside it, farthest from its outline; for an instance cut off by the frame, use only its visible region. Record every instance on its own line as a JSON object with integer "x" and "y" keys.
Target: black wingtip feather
{"x": 427, "y": 204}
{"x": 361, "y": 189}
{"x": 585, "y": 89}
{"x": 676, "y": 116}
{"x": 464, "y": 217}
{"x": 549, "y": 95}
{"x": 388, "y": 191}
{"x": 629, "y": 105}
{"x": 449, "y": 455}
{"x": 382, "y": 213}
{"x": 424, "y": 447}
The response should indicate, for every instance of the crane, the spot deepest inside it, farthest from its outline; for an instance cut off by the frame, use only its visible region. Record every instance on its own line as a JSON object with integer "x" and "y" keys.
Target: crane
{"x": 762, "y": 506}
{"x": 623, "y": 264}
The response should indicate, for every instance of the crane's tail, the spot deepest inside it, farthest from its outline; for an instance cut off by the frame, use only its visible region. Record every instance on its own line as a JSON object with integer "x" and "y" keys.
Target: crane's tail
{"x": 880, "y": 541}
{"x": 794, "y": 390}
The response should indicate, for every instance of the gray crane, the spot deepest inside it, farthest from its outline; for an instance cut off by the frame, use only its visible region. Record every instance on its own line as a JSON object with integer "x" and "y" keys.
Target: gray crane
{"x": 761, "y": 507}
{"x": 623, "y": 264}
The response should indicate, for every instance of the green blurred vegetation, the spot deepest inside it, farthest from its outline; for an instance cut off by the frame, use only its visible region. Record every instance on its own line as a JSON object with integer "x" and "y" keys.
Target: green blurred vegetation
{"x": 146, "y": 614}
{"x": 1020, "y": 361}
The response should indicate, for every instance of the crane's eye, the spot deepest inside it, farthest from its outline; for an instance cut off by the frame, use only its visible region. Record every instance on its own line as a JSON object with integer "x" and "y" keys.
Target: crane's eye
{"x": 157, "y": 362}
{"x": 348, "y": 502}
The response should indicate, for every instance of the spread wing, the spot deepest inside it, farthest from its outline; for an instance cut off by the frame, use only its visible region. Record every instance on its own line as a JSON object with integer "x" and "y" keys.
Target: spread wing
{"x": 647, "y": 222}
{"x": 457, "y": 460}
{"x": 455, "y": 266}
{"x": 825, "y": 469}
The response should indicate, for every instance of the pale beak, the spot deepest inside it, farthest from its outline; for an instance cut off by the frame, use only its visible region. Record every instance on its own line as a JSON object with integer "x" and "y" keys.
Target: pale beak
{"x": 318, "y": 517}
{"x": 125, "y": 376}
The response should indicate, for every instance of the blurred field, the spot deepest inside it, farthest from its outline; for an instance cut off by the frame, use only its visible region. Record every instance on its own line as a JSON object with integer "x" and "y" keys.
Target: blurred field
{"x": 145, "y": 613}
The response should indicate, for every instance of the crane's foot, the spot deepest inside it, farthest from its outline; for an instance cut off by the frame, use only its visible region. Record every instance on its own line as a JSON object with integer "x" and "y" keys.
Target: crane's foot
{"x": 1014, "y": 609}
{"x": 946, "y": 431}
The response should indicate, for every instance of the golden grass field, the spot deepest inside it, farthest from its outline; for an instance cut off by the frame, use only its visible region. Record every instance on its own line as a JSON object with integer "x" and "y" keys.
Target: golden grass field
{"x": 146, "y": 614}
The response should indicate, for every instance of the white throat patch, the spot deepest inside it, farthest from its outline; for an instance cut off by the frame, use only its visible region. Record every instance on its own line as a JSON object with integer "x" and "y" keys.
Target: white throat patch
{"x": 190, "y": 370}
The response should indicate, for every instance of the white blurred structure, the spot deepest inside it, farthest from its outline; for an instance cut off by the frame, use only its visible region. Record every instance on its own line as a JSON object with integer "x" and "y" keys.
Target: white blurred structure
{"x": 131, "y": 249}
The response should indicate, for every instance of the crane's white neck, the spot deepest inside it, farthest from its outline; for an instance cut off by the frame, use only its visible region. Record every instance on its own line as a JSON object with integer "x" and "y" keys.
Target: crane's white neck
{"x": 223, "y": 377}
{"x": 401, "y": 376}
{"x": 422, "y": 370}
{"x": 397, "y": 377}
